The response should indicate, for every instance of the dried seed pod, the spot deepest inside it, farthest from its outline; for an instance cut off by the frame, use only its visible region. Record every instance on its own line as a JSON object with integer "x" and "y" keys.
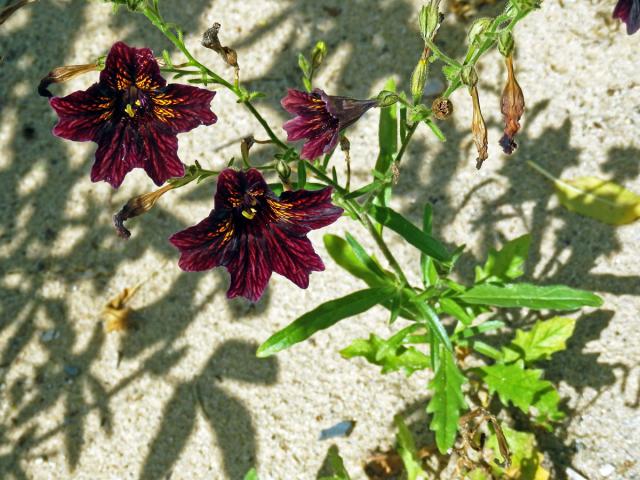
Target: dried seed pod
{"x": 479, "y": 129}
{"x": 442, "y": 108}
{"x": 512, "y": 109}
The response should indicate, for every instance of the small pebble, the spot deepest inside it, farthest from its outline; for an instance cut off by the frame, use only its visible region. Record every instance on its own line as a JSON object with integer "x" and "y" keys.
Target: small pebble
{"x": 49, "y": 335}
{"x": 342, "y": 429}
{"x": 606, "y": 470}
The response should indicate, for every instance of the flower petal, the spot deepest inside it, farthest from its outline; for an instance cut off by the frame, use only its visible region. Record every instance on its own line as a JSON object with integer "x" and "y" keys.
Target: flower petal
{"x": 183, "y": 107}
{"x": 302, "y": 103}
{"x": 119, "y": 151}
{"x": 292, "y": 256}
{"x": 629, "y": 12}
{"x": 160, "y": 152}
{"x": 233, "y": 185}
{"x": 320, "y": 145}
{"x": 126, "y": 66}
{"x": 249, "y": 266}
{"x": 81, "y": 114}
{"x": 306, "y": 126}
{"x": 203, "y": 246}
{"x": 304, "y": 210}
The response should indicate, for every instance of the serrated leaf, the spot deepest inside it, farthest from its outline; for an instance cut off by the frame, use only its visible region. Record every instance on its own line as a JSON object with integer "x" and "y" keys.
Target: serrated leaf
{"x": 447, "y": 401}
{"x": 600, "y": 199}
{"x": 555, "y": 297}
{"x": 526, "y": 460}
{"x": 540, "y": 342}
{"x": 324, "y": 316}
{"x": 547, "y": 409}
{"x": 513, "y": 383}
{"x": 407, "y": 451}
{"x": 507, "y": 263}
{"x": 412, "y": 234}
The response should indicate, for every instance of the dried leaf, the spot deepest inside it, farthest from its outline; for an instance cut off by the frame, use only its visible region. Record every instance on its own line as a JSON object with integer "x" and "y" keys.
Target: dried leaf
{"x": 116, "y": 313}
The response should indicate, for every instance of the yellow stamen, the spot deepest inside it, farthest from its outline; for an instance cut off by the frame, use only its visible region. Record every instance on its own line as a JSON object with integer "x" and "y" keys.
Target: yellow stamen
{"x": 249, "y": 214}
{"x": 129, "y": 110}
{"x": 138, "y": 103}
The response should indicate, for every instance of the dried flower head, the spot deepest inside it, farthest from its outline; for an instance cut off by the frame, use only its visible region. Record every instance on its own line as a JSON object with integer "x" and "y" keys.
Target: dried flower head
{"x": 512, "y": 108}
{"x": 137, "y": 206}
{"x": 62, "y": 74}
{"x": 442, "y": 108}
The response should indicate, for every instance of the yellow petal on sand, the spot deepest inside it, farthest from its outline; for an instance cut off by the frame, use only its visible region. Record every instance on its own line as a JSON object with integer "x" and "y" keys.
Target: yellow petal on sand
{"x": 116, "y": 313}
{"x": 596, "y": 198}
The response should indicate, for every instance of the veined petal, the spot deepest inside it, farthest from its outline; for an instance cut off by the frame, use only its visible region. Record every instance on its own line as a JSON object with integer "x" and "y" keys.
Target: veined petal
{"x": 119, "y": 151}
{"x": 293, "y": 256}
{"x": 320, "y": 144}
{"x": 302, "y": 103}
{"x": 304, "y": 210}
{"x": 160, "y": 152}
{"x": 234, "y": 185}
{"x": 183, "y": 107}
{"x": 308, "y": 126}
{"x": 203, "y": 246}
{"x": 81, "y": 114}
{"x": 127, "y": 66}
{"x": 249, "y": 266}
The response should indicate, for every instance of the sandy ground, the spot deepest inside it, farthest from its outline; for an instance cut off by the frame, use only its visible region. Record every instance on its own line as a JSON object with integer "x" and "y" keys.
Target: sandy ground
{"x": 183, "y": 396}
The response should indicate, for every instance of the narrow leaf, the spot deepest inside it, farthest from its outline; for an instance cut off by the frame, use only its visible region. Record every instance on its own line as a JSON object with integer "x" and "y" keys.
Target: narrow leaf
{"x": 324, "y": 316}
{"x": 412, "y": 234}
{"x": 343, "y": 255}
{"x": 407, "y": 450}
{"x": 447, "y": 401}
{"x": 251, "y": 475}
{"x": 556, "y": 297}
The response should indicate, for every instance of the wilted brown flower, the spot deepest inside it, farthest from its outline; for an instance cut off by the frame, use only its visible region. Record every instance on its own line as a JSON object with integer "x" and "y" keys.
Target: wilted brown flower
{"x": 62, "y": 74}
{"x": 116, "y": 313}
{"x": 479, "y": 129}
{"x": 210, "y": 40}
{"x": 512, "y": 109}
{"x": 137, "y": 206}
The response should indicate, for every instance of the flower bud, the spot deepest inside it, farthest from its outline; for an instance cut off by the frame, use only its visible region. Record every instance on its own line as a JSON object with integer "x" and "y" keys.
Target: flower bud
{"x": 506, "y": 43}
{"x": 512, "y": 109}
{"x": 137, "y": 206}
{"x": 430, "y": 19}
{"x": 419, "y": 77}
{"x": 283, "y": 170}
{"x": 477, "y": 30}
{"x": 318, "y": 54}
{"x": 442, "y": 108}
{"x": 479, "y": 129}
{"x": 469, "y": 76}
{"x": 62, "y": 74}
{"x": 386, "y": 98}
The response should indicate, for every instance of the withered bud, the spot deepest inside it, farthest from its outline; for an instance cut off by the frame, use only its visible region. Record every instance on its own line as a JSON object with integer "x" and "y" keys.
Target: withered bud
{"x": 62, "y": 74}
{"x": 137, "y": 206}
{"x": 442, "y": 108}
{"x": 9, "y": 10}
{"x": 512, "y": 109}
{"x": 210, "y": 40}
{"x": 479, "y": 129}
{"x": 345, "y": 144}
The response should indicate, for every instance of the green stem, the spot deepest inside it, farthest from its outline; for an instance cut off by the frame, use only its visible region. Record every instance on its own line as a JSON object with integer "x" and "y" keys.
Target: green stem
{"x": 405, "y": 142}
{"x": 440, "y": 54}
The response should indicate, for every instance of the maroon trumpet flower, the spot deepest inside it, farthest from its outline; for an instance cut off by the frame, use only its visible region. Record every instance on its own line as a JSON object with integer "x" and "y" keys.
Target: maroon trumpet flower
{"x": 320, "y": 119}
{"x": 629, "y": 12}
{"x": 133, "y": 116}
{"x": 253, "y": 233}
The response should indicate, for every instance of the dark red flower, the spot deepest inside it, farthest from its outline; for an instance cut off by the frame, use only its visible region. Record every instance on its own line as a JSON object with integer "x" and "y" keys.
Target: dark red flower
{"x": 133, "y": 116}
{"x": 320, "y": 119}
{"x": 252, "y": 233}
{"x": 629, "y": 12}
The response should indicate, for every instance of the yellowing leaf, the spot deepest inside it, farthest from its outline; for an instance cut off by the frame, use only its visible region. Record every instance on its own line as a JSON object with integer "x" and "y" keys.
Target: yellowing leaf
{"x": 594, "y": 197}
{"x": 603, "y": 200}
{"x": 526, "y": 459}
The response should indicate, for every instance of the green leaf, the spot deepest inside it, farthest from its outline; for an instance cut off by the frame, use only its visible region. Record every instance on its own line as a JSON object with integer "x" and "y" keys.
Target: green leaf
{"x": 506, "y": 263}
{"x": 387, "y": 133}
{"x": 251, "y": 475}
{"x": 427, "y": 267}
{"x": 526, "y": 460}
{"x": 540, "y": 342}
{"x": 515, "y": 384}
{"x": 412, "y": 234}
{"x": 555, "y": 297}
{"x": 389, "y": 354}
{"x": 343, "y": 254}
{"x": 324, "y": 316}
{"x": 365, "y": 258}
{"x": 453, "y": 308}
{"x": 447, "y": 401}
{"x": 302, "y": 174}
{"x": 337, "y": 465}
{"x": 428, "y": 315}
{"x": 407, "y": 451}
{"x": 303, "y": 63}
{"x": 451, "y": 72}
